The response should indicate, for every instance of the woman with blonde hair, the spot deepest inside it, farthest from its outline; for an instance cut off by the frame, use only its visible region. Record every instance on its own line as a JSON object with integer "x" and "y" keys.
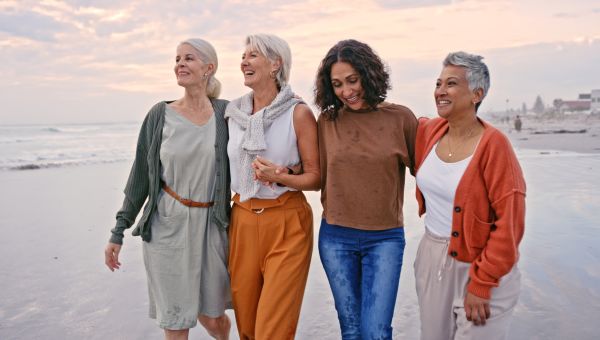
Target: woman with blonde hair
{"x": 182, "y": 171}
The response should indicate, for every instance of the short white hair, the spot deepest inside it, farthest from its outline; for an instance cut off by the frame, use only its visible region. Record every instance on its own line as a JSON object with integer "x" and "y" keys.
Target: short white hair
{"x": 478, "y": 75}
{"x": 208, "y": 55}
{"x": 273, "y": 48}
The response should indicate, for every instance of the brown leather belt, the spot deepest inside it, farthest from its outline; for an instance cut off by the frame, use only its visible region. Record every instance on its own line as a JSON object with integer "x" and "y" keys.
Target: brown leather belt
{"x": 291, "y": 199}
{"x": 185, "y": 201}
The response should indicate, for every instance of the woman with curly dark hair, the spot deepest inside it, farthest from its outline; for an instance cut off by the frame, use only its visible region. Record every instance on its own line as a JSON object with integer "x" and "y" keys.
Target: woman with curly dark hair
{"x": 365, "y": 145}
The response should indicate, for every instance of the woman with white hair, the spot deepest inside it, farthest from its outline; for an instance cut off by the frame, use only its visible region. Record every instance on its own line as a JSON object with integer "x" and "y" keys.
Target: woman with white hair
{"x": 472, "y": 191}
{"x": 271, "y": 226}
{"x": 182, "y": 171}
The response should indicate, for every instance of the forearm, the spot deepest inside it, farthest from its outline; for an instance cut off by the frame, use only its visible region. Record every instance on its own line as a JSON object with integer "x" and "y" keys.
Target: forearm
{"x": 136, "y": 193}
{"x": 125, "y": 218}
{"x": 309, "y": 180}
{"x": 501, "y": 251}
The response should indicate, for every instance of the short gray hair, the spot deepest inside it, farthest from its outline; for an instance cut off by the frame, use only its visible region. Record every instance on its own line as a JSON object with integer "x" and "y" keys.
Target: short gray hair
{"x": 478, "y": 75}
{"x": 208, "y": 55}
{"x": 273, "y": 47}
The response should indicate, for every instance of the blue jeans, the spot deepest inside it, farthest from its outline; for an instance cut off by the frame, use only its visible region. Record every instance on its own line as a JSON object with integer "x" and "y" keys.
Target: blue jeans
{"x": 363, "y": 269}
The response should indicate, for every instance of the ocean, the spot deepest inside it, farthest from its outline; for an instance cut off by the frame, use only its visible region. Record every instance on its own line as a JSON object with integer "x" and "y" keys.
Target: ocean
{"x": 27, "y": 147}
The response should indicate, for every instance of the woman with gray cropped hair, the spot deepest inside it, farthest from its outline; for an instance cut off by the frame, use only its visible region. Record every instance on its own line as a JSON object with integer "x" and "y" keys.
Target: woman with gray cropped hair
{"x": 471, "y": 189}
{"x": 181, "y": 171}
{"x": 271, "y": 226}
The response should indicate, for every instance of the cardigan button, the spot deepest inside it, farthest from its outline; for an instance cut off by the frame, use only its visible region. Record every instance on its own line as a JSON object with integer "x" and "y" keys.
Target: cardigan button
{"x": 493, "y": 227}
{"x": 455, "y": 233}
{"x": 453, "y": 254}
{"x": 457, "y": 209}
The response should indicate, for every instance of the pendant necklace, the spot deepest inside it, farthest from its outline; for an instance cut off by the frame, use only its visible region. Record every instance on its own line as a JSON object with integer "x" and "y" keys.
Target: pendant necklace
{"x": 468, "y": 135}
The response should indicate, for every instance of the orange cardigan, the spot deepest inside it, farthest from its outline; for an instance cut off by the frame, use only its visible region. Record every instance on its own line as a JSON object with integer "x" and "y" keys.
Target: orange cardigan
{"x": 489, "y": 206}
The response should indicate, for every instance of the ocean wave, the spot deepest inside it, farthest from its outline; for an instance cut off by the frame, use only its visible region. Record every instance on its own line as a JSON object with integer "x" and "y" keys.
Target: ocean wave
{"x": 49, "y": 146}
{"x": 63, "y": 164}
{"x": 15, "y": 140}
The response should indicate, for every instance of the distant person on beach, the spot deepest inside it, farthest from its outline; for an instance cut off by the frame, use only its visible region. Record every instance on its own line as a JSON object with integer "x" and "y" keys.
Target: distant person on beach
{"x": 181, "y": 168}
{"x": 271, "y": 230}
{"x": 518, "y": 123}
{"x": 471, "y": 189}
{"x": 365, "y": 145}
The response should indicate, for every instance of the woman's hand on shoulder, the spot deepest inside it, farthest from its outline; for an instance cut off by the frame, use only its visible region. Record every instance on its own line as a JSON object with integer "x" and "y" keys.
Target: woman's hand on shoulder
{"x": 111, "y": 256}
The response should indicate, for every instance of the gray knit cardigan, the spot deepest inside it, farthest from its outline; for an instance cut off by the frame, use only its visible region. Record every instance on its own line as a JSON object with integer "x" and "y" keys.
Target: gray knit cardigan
{"x": 144, "y": 178}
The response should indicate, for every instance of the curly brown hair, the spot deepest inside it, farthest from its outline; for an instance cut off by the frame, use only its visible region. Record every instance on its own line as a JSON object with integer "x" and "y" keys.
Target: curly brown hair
{"x": 374, "y": 78}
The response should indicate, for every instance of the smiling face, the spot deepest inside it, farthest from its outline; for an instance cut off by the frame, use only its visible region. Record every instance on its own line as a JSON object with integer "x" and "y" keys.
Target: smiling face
{"x": 452, "y": 94}
{"x": 257, "y": 68}
{"x": 347, "y": 86}
{"x": 189, "y": 68}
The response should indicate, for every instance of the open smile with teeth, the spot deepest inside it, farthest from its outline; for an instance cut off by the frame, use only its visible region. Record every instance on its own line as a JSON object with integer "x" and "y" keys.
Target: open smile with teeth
{"x": 248, "y": 73}
{"x": 352, "y": 100}
{"x": 443, "y": 102}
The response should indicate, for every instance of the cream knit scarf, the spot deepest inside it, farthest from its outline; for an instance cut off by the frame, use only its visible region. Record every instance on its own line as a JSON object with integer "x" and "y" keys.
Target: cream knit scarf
{"x": 254, "y": 125}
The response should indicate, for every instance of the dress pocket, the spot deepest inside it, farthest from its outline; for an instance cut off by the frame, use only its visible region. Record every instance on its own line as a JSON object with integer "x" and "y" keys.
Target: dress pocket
{"x": 480, "y": 232}
{"x": 169, "y": 225}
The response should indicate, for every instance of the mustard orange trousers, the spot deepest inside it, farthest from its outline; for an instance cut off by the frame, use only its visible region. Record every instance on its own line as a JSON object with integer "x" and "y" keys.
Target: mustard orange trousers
{"x": 270, "y": 251}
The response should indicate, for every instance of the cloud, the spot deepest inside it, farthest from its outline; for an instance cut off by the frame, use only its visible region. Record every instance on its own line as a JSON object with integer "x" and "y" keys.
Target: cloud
{"x": 565, "y": 15}
{"x": 116, "y": 49}
{"x": 30, "y": 25}
{"x": 394, "y": 4}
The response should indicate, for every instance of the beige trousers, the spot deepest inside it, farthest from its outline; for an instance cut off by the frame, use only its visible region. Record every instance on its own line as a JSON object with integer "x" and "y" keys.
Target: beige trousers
{"x": 441, "y": 282}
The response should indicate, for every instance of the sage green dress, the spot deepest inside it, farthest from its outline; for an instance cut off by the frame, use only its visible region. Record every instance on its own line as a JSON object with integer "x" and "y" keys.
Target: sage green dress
{"x": 186, "y": 261}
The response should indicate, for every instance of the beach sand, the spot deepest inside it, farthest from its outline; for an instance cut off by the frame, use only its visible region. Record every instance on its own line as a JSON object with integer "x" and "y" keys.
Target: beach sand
{"x": 55, "y": 223}
{"x": 556, "y": 134}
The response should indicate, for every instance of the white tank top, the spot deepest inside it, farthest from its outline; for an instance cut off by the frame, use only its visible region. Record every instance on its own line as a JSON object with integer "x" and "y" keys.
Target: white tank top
{"x": 438, "y": 181}
{"x": 282, "y": 149}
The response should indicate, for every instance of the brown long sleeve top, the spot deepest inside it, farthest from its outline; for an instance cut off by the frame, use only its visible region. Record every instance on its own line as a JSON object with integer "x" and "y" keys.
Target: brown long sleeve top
{"x": 364, "y": 155}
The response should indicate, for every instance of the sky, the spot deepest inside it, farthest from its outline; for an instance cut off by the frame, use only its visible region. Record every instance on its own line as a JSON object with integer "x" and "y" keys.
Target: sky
{"x": 87, "y": 61}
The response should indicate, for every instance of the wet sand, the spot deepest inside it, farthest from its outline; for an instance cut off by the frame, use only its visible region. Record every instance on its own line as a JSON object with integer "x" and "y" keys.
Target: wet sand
{"x": 55, "y": 223}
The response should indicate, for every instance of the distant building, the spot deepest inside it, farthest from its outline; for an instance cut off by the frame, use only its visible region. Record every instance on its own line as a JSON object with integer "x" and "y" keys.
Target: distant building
{"x": 572, "y": 106}
{"x": 595, "y": 101}
{"x": 585, "y": 103}
{"x": 585, "y": 96}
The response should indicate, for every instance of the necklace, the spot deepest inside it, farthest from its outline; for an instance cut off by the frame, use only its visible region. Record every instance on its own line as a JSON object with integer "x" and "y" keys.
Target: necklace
{"x": 450, "y": 153}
